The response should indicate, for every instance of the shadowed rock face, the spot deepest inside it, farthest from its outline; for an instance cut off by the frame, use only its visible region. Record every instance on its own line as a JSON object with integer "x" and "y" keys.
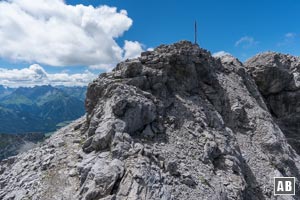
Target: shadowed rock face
{"x": 278, "y": 78}
{"x": 175, "y": 123}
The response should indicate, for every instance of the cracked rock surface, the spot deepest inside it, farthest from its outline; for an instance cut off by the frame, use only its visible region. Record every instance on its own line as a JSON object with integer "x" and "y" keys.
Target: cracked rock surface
{"x": 278, "y": 78}
{"x": 175, "y": 123}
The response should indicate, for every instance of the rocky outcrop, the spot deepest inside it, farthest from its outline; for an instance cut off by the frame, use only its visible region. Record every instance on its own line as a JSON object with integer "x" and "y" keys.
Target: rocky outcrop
{"x": 176, "y": 123}
{"x": 47, "y": 172}
{"x": 278, "y": 78}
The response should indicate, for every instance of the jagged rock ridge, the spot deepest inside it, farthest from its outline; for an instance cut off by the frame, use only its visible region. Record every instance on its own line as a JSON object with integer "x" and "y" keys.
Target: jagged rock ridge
{"x": 175, "y": 123}
{"x": 278, "y": 78}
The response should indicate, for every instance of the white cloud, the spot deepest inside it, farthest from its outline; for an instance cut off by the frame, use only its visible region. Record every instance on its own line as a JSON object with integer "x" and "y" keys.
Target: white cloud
{"x": 290, "y": 35}
{"x": 54, "y": 33}
{"x": 105, "y": 67}
{"x": 224, "y": 56}
{"x": 220, "y": 54}
{"x": 132, "y": 49}
{"x": 36, "y": 75}
{"x": 288, "y": 39}
{"x": 246, "y": 42}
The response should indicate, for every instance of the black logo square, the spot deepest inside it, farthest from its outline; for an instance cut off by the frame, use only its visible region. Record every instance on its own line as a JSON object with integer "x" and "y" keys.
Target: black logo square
{"x": 284, "y": 185}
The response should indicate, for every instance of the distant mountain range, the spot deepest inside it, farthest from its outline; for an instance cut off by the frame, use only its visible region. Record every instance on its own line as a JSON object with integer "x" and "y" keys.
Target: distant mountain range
{"x": 4, "y": 91}
{"x": 11, "y": 144}
{"x": 27, "y": 114}
{"x": 40, "y": 108}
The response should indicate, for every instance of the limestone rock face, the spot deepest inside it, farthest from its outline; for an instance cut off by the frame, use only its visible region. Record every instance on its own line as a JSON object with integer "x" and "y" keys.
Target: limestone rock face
{"x": 175, "y": 123}
{"x": 275, "y": 72}
{"x": 278, "y": 78}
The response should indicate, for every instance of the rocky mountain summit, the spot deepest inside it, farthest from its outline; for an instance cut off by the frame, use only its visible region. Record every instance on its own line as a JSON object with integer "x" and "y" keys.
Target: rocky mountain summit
{"x": 175, "y": 123}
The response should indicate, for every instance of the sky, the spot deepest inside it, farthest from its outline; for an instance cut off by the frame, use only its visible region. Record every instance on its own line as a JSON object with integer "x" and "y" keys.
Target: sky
{"x": 70, "y": 42}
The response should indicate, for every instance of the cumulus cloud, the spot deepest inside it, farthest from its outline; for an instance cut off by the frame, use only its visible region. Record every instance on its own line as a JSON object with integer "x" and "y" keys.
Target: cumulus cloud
{"x": 54, "y": 33}
{"x": 224, "y": 56}
{"x": 246, "y": 42}
{"x": 105, "y": 67}
{"x": 132, "y": 49}
{"x": 36, "y": 75}
{"x": 220, "y": 54}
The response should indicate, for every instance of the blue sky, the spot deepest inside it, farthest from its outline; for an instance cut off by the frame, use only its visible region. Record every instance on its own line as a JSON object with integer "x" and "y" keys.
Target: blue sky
{"x": 221, "y": 23}
{"x": 242, "y": 28}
